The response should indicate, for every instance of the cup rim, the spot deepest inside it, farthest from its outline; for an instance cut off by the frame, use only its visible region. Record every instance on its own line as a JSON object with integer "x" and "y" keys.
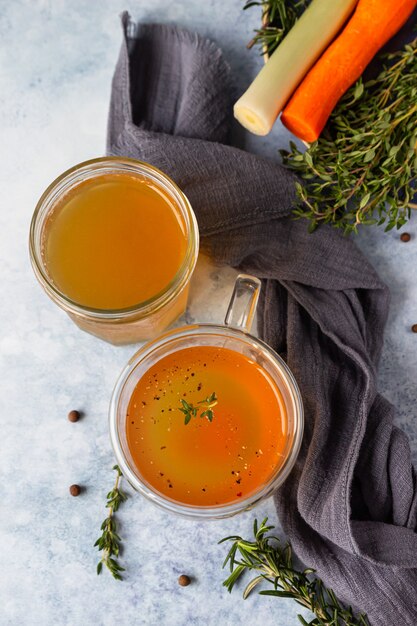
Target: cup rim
{"x": 196, "y": 511}
{"x": 141, "y": 309}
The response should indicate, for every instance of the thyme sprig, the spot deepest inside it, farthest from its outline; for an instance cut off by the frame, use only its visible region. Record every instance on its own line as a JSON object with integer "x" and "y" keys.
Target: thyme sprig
{"x": 363, "y": 168}
{"x": 279, "y": 16}
{"x": 190, "y": 410}
{"x": 109, "y": 541}
{"x": 273, "y": 563}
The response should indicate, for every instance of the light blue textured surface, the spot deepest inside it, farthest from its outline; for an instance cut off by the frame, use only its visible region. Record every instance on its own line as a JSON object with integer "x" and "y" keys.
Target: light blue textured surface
{"x": 56, "y": 63}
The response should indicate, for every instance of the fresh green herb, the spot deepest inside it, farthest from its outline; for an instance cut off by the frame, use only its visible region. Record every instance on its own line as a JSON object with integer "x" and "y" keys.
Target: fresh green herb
{"x": 278, "y": 17}
{"x": 190, "y": 410}
{"x": 363, "y": 169}
{"x": 109, "y": 541}
{"x": 273, "y": 564}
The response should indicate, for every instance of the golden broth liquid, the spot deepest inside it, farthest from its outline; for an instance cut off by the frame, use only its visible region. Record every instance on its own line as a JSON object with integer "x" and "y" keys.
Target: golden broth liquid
{"x": 206, "y": 463}
{"x": 114, "y": 241}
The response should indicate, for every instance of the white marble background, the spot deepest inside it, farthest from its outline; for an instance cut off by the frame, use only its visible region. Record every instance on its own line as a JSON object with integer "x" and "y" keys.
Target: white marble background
{"x": 56, "y": 63}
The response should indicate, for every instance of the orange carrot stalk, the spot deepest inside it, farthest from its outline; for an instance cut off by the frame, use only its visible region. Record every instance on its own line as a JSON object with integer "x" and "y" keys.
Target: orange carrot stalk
{"x": 372, "y": 24}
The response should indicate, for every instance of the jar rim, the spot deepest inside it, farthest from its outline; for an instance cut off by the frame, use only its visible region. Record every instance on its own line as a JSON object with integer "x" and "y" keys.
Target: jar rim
{"x": 123, "y": 165}
{"x": 228, "y": 509}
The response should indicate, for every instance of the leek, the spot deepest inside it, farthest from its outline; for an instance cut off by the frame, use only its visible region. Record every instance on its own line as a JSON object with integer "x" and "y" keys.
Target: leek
{"x": 264, "y": 100}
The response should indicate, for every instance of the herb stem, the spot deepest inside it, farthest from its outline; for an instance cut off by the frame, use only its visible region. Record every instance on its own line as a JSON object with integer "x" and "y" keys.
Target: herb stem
{"x": 272, "y": 563}
{"x": 109, "y": 541}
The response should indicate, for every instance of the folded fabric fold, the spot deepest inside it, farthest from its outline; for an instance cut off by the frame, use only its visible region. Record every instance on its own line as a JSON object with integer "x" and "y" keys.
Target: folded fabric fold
{"x": 350, "y": 504}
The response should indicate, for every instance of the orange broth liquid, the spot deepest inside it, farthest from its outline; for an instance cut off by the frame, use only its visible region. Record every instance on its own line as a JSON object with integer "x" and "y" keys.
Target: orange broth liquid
{"x": 113, "y": 242}
{"x": 206, "y": 463}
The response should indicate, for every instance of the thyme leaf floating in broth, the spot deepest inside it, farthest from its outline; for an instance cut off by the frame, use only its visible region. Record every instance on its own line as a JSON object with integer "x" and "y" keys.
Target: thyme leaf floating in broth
{"x": 190, "y": 410}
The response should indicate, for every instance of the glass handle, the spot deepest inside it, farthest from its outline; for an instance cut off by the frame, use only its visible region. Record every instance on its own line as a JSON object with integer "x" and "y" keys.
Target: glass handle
{"x": 242, "y": 306}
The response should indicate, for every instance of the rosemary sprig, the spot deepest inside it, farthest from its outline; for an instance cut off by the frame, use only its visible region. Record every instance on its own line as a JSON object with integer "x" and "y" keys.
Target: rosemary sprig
{"x": 273, "y": 564}
{"x": 109, "y": 541}
{"x": 190, "y": 410}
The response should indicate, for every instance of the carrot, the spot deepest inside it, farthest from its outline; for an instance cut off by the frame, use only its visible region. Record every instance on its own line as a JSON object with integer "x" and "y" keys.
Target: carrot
{"x": 258, "y": 108}
{"x": 372, "y": 24}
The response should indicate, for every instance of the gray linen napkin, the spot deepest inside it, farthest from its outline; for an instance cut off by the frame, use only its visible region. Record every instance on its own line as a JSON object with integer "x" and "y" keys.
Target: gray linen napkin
{"x": 350, "y": 504}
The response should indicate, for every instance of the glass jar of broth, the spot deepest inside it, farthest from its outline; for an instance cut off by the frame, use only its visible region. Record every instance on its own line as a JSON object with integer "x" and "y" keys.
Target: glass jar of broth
{"x": 207, "y": 420}
{"x": 114, "y": 243}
